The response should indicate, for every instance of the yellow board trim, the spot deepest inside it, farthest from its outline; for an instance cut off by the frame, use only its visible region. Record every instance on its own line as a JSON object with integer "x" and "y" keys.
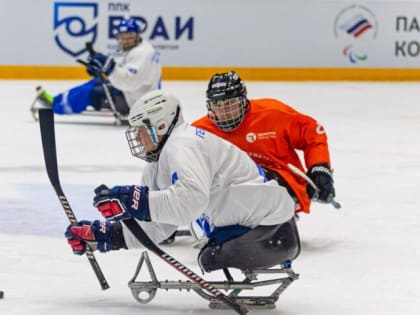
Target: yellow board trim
{"x": 12, "y": 72}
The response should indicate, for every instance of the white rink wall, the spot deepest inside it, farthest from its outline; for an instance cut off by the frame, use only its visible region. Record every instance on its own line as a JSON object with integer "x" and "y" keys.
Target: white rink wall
{"x": 209, "y": 33}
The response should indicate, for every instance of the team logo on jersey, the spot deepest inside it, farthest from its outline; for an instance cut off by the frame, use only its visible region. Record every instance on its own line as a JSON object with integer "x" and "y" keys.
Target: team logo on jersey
{"x": 251, "y": 137}
{"x": 74, "y": 25}
{"x": 200, "y": 133}
{"x": 355, "y": 26}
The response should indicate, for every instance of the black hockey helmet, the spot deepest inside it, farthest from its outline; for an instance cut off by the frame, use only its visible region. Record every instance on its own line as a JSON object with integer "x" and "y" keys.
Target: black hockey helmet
{"x": 223, "y": 87}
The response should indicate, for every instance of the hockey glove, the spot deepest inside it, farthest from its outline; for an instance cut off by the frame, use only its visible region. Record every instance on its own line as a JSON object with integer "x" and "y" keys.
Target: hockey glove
{"x": 123, "y": 202}
{"x": 100, "y": 63}
{"x": 322, "y": 177}
{"x": 97, "y": 234}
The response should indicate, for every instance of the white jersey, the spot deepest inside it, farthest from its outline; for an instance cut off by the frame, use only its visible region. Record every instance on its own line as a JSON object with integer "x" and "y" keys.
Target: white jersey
{"x": 201, "y": 175}
{"x": 137, "y": 71}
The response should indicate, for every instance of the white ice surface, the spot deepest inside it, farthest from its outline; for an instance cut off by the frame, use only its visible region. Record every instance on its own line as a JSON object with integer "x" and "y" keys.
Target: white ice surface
{"x": 362, "y": 259}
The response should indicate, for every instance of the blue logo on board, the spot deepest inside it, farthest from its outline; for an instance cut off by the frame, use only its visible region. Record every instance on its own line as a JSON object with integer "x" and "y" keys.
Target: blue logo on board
{"x": 74, "y": 25}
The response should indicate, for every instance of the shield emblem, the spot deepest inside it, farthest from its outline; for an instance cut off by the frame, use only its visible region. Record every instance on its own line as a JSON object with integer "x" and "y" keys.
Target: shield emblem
{"x": 75, "y": 24}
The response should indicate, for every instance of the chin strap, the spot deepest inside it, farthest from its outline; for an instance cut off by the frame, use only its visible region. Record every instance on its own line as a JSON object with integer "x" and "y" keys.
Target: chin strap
{"x": 155, "y": 153}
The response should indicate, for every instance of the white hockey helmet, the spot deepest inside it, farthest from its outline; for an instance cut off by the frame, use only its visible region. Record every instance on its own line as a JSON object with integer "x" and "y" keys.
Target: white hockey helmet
{"x": 157, "y": 111}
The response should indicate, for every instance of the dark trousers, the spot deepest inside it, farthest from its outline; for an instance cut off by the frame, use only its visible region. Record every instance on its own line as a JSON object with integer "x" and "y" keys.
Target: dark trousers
{"x": 263, "y": 247}
{"x": 99, "y": 100}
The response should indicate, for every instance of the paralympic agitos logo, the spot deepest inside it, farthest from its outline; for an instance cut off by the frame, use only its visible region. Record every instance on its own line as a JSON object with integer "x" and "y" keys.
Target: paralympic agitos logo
{"x": 356, "y": 26}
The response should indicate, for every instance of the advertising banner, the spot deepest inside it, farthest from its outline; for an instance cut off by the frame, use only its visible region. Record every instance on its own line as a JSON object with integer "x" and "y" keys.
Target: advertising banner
{"x": 219, "y": 33}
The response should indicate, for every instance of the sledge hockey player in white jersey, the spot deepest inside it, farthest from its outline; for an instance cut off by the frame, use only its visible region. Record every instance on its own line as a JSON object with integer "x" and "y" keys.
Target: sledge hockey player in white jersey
{"x": 191, "y": 173}
{"x": 137, "y": 69}
{"x": 133, "y": 71}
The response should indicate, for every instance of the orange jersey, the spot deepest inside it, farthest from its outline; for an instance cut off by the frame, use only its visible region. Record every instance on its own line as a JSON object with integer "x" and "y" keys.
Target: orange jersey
{"x": 270, "y": 133}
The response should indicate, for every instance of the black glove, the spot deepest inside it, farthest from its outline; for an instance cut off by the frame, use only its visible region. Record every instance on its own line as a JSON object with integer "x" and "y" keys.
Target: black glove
{"x": 322, "y": 177}
{"x": 100, "y": 63}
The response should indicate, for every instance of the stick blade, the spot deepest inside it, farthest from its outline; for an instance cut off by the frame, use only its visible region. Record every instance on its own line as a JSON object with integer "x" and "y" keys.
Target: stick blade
{"x": 46, "y": 124}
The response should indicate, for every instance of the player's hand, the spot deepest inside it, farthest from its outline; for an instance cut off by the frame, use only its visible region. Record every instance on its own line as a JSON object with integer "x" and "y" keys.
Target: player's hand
{"x": 98, "y": 63}
{"x": 123, "y": 202}
{"x": 96, "y": 234}
{"x": 321, "y": 175}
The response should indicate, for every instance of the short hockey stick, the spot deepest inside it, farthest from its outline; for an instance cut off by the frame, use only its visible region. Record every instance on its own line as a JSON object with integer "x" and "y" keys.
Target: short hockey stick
{"x": 298, "y": 172}
{"x": 108, "y": 95}
{"x": 144, "y": 239}
{"x": 46, "y": 123}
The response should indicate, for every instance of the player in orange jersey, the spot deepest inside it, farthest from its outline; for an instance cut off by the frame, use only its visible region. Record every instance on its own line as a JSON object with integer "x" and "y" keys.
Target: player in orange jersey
{"x": 271, "y": 132}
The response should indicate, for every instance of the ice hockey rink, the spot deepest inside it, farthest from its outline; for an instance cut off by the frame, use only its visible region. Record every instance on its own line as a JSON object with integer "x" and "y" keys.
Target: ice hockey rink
{"x": 361, "y": 259}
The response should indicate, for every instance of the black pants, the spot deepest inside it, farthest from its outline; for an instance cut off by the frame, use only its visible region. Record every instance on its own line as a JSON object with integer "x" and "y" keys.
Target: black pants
{"x": 263, "y": 247}
{"x": 99, "y": 100}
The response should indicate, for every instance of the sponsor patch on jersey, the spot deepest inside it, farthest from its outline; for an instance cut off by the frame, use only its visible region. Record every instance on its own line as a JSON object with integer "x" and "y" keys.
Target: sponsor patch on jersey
{"x": 252, "y": 137}
{"x": 320, "y": 129}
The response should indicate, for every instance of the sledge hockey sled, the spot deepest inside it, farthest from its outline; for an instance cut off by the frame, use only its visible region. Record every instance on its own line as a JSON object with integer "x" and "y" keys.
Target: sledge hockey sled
{"x": 105, "y": 111}
{"x": 145, "y": 291}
